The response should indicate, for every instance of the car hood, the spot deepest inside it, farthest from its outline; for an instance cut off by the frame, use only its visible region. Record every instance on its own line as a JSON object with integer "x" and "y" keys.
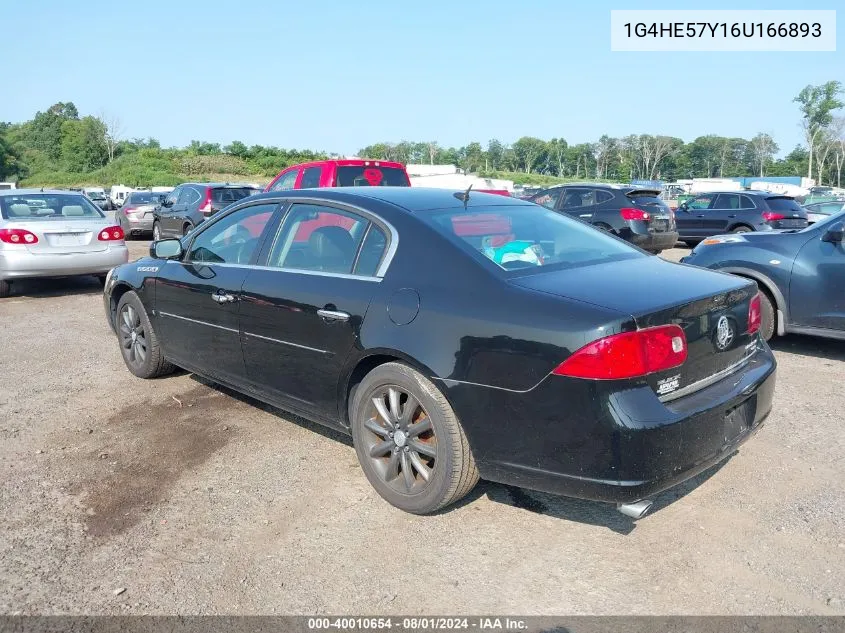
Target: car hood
{"x": 634, "y": 286}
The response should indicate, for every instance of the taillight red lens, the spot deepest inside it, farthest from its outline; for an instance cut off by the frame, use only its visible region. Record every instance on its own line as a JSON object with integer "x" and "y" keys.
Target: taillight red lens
{"x": 205, "y": 209}
{"x": 628, "y": 355}
{"x": 633, "y": 214}
{"x": 111, "y": 234}
{"x": 771, "y": 216}
{"x": 754, "y": 315}
{"x": 18, "y": 236}
{"x": 128, "y": 210}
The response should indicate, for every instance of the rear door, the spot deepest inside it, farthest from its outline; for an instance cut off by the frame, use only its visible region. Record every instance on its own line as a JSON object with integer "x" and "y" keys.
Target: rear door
{"x": 311, "y": 177}
{"x": 198, "y": 298}
{"x": 166, "y": 209}
{"x": 301, "y": 311}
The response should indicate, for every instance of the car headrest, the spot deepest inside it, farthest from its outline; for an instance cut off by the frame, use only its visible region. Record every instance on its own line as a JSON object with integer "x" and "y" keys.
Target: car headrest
{"x": 19, "y": 210}
{"x": 332, "y": 242}
{"x": 73, "y": 210}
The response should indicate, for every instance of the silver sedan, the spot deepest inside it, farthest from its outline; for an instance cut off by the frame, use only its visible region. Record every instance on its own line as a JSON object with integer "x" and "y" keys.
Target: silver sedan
{"x": 55, "y": 234}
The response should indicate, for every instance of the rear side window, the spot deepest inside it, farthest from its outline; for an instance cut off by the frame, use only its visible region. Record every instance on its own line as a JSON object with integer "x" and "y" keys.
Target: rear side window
{"x": 746, "y": 203}
{"x": 372, "y": 251}
{"x": 365, "y": 176}
{"x": 140, "y": 198}
{"x": 228, "y": 195}
{"x": 310, "y": 178}
{"x": 784, "y": 204}
{"x": 603, "y": 196}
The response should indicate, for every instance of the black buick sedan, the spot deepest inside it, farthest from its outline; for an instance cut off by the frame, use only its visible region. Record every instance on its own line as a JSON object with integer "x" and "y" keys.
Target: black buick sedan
{"x": 458, "y": 336}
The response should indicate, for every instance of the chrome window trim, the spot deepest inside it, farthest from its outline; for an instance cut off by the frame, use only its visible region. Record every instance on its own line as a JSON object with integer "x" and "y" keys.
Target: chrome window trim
{"x": 286, "y": 202}
{"x": 176, "y": 316}
{"x": 297, "y": 345}
{"x": 317, "y": 273}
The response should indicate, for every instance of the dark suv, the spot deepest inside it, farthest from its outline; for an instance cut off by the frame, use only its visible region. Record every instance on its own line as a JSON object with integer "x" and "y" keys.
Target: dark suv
{"x": 190, "y": 204}
{"x": 636, "y": 214}
{"x": 719, "y": 212}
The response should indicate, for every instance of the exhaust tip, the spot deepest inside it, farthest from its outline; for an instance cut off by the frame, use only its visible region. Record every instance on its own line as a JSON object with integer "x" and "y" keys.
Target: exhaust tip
{"x": 637, "y": 509}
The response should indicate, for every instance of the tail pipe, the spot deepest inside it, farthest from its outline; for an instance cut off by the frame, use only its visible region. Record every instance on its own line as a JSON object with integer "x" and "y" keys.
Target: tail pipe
{"x": 636, "y": 510}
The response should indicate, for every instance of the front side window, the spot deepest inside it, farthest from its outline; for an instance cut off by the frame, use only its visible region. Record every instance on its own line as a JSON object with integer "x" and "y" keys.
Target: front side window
{"x": 310, "y": 177}
{"x": 701, "y": 202}
{"x": 548, "y": 198}
{"x": 318, "y": 238}
{"x": 287, "y": 181}
{"x": 44, "y": 206}
{"x": 528, "y": 237}
{"x": 234, "y": 238}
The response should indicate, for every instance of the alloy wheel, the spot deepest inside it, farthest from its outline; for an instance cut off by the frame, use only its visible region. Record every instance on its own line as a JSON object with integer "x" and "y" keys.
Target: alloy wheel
{"x": 133, "y": 338}
{"x": 400, "y": 440}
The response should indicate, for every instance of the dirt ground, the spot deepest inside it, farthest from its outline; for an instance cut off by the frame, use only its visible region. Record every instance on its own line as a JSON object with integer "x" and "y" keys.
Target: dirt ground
{"x": 124, "y": 496}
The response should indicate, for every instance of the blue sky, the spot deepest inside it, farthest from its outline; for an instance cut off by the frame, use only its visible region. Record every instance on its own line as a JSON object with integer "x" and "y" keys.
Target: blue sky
{"x": 337, "y": 75}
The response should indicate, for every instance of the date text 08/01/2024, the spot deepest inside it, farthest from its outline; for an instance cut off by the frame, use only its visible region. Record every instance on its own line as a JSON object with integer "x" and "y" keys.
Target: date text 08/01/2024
{"x": 417, "y": 623}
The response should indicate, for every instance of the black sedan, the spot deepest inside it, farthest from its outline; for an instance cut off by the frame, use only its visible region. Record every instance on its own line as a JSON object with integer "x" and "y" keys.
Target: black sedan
{"x": 801, "y": 275}
{"x": 636, "y": 214}
{"x": 458, "y": 336}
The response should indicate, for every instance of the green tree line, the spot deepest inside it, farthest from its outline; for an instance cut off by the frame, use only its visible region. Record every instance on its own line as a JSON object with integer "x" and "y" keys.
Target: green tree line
{"x": 60, "y": 147}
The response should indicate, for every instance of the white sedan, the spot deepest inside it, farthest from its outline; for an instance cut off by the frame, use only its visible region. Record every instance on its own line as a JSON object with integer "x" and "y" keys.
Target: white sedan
{"x": 55, "y": 234}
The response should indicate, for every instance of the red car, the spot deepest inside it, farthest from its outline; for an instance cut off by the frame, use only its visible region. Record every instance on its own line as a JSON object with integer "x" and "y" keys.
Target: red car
{"x": 341, "y": 173}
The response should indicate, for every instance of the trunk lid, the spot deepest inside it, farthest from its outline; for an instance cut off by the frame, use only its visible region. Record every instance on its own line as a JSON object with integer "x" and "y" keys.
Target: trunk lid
{"x": 64, "y": 235}
{"x": 711, "y": 308}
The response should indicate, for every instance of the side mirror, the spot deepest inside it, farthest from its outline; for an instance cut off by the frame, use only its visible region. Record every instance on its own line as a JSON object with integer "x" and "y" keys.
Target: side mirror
{"x": 166, "y": 249}
{"x": 835, "y": 233}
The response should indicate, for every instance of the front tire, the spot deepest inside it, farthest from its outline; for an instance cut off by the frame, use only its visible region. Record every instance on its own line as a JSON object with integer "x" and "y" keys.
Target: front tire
{"x": 768, "y": 318}
{"x": 409, "y": 441}
{"x": 156, "y": 231}
{"x": 139, "y": 344}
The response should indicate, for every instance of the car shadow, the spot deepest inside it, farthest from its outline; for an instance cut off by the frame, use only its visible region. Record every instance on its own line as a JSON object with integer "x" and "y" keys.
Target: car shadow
{"x": 565, "y": 508}
{"x": 817, "y": 347}
{"x": 61, "y": 287}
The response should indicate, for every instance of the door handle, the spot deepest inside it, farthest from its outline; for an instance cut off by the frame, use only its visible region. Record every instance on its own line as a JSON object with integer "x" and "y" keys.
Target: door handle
{"x": 222, "y": 297}
{"x": 699, "y": 216}
{"x": 732, "y": 216}
{"x": 333, "y": 315}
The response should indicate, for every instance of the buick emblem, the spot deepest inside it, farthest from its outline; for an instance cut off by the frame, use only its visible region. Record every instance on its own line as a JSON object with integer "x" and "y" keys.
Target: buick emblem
{"x": 724, "y": 333}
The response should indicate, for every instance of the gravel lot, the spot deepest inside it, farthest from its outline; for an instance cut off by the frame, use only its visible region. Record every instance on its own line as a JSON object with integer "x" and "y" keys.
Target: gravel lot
{"x": 124, "y": 496}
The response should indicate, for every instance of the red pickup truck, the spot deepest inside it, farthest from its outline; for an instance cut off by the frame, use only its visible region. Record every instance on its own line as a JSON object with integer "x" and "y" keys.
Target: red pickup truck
{"x": 341, "y": 173}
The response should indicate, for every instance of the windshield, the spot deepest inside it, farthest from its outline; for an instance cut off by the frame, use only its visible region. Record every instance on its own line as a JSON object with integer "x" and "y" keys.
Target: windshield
{"x": 831, "y": 219}
{"x": 96, "y": 195}
{"x": 371, "y": 177}
{"x": 47, "y": 206}
{"x": 528, "y": 237}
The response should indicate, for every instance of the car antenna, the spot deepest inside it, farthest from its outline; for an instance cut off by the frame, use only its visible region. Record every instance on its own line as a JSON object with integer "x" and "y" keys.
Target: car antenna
{"x": 464, "y": 196}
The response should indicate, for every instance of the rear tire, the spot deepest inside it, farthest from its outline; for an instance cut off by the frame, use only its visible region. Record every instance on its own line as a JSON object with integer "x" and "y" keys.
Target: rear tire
{"x": 409, "y": 442}
{"x": 5, "y": 288}
{"x": 768, "y": 316}
{"x": 186, "y": 229}
{"x": 742, "y": 229}
{"x": 138, "y": 342}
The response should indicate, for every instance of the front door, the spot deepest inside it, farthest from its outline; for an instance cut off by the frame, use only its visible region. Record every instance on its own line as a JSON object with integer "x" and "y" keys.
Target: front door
{"x": 301, "y": 311}
{"x": 689, "y": 218}
{"x": 198, "y": 297}
{"x": 817, "y": 287}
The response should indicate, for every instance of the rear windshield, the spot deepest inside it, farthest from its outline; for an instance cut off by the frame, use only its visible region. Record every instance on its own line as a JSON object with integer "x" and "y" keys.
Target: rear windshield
{"x": 144, "y": 197}
{"x": 648, "y": 198}
{"x": 784, "y": 204}
{"x": 96, "y": 195}
{"x": 45, "y": 206}
{"x": 523, "y": 237}
{"x": 231, "y": 194}
{"x": 371, "y": 177}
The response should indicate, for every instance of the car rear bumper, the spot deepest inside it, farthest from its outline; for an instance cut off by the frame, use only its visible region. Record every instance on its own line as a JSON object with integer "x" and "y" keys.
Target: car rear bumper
{"x": 21, "y": 264}
{"x": 139, "y": 225}
{"x": 653, "y": 241}
{"x": 595, "y": 441}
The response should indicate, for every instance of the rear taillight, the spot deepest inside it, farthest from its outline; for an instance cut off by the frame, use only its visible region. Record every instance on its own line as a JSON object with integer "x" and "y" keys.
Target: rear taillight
{"x": 111, "y": 234}
{"x": 205, "y": 209}
{"x": 771, "y": 216}
{"x": 17, "y": 236}
{"x": 633, "y": 214}
{"x": 128, "y": 210}
{"x": 754, "y": 317}
{"x": 628, "y": 355}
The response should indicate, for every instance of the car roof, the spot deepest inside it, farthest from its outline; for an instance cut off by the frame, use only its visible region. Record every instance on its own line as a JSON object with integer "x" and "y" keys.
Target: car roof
{"x": 349, "y": 162}
{"x": 413, "y": 199}
{"x": 214, "y": 184}
{"x": 32, "y": 192}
